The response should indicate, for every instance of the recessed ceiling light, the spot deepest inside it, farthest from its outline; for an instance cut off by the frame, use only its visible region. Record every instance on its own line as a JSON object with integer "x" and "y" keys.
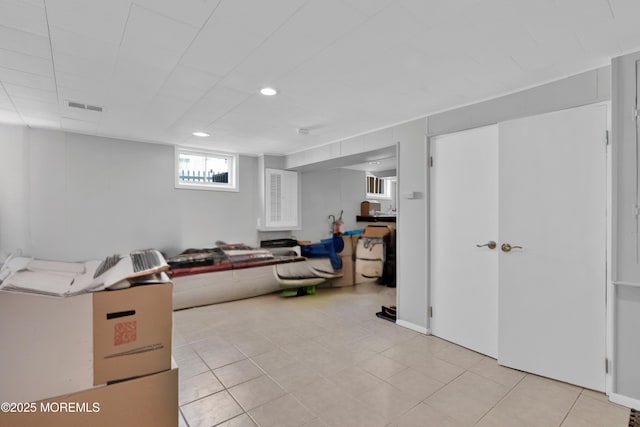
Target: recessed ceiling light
{"x": 268, "y": 91}
{"x": 374, "y": 163}
{"x": 200, "y": 134}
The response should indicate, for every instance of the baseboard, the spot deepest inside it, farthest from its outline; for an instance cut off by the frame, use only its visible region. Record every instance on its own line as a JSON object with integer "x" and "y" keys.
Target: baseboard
{"x": 412, "y": 326}
{"x": 629, "y": 402}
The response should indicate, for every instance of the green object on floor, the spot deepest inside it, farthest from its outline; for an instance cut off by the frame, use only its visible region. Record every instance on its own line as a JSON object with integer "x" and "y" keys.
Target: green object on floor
{"x": 298, "y": 292}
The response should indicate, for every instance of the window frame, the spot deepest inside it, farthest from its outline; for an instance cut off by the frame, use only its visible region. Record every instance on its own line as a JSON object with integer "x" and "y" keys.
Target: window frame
{"x": 387, "y": 188}
{"x": 232, "y": 158}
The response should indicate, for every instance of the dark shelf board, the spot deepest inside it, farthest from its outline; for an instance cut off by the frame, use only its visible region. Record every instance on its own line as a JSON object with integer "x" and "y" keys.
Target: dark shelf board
{"x": 377, "y": 218}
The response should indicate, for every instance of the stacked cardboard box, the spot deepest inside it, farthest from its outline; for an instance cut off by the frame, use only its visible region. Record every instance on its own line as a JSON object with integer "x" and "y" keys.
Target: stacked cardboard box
{"x": 98, "y": 359}
{"x": 348, "y": 266}
{"x": 371, "y": 253}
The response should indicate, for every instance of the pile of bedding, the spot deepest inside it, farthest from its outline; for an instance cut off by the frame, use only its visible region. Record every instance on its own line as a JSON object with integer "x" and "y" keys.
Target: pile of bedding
{"x": 223, "y": 257}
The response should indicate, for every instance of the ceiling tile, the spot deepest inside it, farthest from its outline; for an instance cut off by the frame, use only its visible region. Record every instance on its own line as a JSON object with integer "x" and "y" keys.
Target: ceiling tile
{"x": 282, "y": 52}
{"x": 343, "y": 67}
{"x": 188, "y": 83}
{"x": 136, "y": 81}
{"x": 82, "y": 116}
{"x": 625, "y": 10}
{"x": 433, "y": 13}
{"x": 5, "y": 101}
{"x": 191, "y": 12}
{"x": 31, "y": 93}
{"x": 25, "y": 43}
{"x": 599, "y": 40}
{"x": 148, "y": 32}
{"x": 26, "y": 63}
{"x": 23, "y": 16}
{"x": 78, "y": 45}
{"x": 164, "y": 110}
{"x": 82, "y": 76}
{"x": 103, "y": 20}
{"x": 590, "y": 12}
{"x": 8, "y": 75}
{"x": 221, "y": 46}
{"x": 6, "y": 104}
{"x": 37, "y": 3}
{"x": 260, "y": 112}
{"x": 74, "y": 89}
{"x": 30, "y": 104}
{"x": 215, "y": 104}
{"x": 368, "y": 7}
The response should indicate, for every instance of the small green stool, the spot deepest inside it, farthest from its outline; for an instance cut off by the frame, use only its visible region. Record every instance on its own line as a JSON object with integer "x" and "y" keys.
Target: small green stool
{"x": 298, "y": 292}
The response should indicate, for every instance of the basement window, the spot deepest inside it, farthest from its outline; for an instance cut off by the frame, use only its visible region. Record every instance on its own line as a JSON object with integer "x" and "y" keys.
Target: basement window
{"x": 377, "y": 188}
{"x": 198, "y": 169}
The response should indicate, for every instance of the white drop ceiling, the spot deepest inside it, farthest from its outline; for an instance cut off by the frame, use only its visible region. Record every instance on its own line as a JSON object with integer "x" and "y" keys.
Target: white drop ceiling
{"x": 162, "y": 69}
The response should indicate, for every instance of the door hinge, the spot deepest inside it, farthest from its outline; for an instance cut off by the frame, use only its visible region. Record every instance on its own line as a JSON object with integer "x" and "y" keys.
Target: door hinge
{"x": 635, "y": 114}
{"x": 606, "y": 138}
{"x": 607, "y": 366}
{"x": 431, "y": 161}
{"x": 636, "y": 210}
{"x": 430, "y": 311}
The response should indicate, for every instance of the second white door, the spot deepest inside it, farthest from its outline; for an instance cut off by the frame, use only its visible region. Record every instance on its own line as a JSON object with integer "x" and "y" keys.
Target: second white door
{"x": 553, "y": 204}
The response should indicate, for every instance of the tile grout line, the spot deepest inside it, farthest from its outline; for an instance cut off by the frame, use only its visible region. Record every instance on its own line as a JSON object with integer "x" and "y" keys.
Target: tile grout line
{"x": 501, "y": 399}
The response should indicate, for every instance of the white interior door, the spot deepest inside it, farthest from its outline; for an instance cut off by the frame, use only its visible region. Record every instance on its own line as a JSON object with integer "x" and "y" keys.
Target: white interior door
{"x": 463, "y": 214}
{"x": 552, "y": 203}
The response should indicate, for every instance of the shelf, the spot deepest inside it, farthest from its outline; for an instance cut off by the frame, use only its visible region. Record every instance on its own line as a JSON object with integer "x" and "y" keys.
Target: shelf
{"x": 377, "y": 218}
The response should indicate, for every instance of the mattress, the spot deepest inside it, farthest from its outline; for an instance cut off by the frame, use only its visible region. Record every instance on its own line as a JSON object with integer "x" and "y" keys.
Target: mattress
{"x": 225, "y": 281}
{"x": 210, "y": 276}
{"x": 310, "y": 268}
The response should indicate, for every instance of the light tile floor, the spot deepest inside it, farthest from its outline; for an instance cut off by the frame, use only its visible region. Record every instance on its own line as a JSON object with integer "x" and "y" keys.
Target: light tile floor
{"x": 327, "y": 360}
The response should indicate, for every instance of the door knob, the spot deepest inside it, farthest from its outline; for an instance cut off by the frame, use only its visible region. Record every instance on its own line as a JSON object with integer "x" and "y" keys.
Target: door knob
{"x": 507, "y": 247}
{"x": 491, "y": 244}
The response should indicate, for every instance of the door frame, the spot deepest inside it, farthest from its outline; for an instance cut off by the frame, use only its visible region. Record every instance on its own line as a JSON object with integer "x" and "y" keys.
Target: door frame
{"x": 609, "y": 287}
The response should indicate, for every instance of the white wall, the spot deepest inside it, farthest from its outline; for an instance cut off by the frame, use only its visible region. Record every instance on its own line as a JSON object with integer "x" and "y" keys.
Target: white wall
{"x": 13, "y": 197}
{"x": 88, "y": 197}
{"x": 412, "y": 234}
{"x": 582, "y": 89}
{"x": 626, "y": 269}
{"x": 325, "y": 193}
{"x": 412, "y": 266}
{"x": 411, "y": 245}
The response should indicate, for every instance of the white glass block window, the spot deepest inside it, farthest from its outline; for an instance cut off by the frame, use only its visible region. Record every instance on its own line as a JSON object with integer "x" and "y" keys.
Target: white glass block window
{"x": 377, "y": 188}
{"x": 205, "y": 170}
{"x": 281, "y": 191}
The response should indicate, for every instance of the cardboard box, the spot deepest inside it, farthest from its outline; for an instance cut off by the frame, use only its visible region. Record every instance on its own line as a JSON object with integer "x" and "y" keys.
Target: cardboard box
{"x": 48, "y": 342}
{"x": 376, "y": 230}
{"x": 348, "y": 272}
{"x": 370, "y": 255}
{"x": 131, "y": 332}
{"x": 150, "y": 400}
{"x": 368, "y": 270}
{"x": 367, "y": 207}
{"x": 350, "y": 242}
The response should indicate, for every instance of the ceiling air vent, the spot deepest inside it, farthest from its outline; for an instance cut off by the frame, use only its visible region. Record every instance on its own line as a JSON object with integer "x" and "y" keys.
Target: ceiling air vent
{"x": 84, "y": 106}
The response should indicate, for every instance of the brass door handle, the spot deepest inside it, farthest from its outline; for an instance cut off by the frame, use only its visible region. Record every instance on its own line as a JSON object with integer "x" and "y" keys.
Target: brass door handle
{"x": 491, "y": 244}
{"x": 507, "y": 247}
